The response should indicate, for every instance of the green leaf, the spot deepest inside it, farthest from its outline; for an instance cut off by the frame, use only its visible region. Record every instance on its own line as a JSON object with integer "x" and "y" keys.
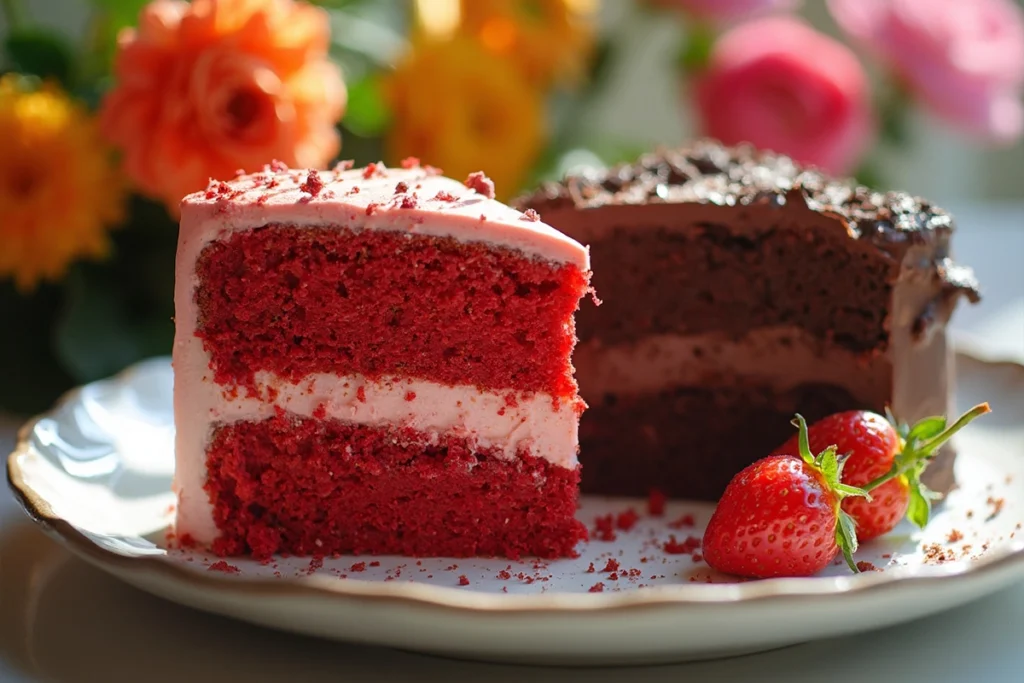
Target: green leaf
{"x": 367, "y": 113}
{"x": 39, "y": 53}
{"x": 696, "y": 48}
{"x": 121, "y": 12}
{"x": 846, "y": 539}
{"x": 803, "y": 440}
{"x": 829, "y": 464}
{"x": 848, "y": 490}
{"x": 926, "y": 429}
{"x": 920, "y": 508}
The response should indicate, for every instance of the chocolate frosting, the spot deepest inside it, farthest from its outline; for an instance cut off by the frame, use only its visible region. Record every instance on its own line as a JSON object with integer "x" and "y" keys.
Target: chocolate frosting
{"x": 710, "y": 173}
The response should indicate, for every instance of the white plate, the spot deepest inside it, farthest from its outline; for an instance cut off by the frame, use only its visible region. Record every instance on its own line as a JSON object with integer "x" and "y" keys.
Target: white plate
{"x": 96, "y": 473}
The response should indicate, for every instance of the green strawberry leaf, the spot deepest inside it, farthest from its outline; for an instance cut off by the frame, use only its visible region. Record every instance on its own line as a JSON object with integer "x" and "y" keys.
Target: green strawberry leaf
{"x": 926, "y": 429}
{"x": 829, "y": 464}
{"x": 920, "y": 508}
{"x": 846, "y": 539}
{"x": 803, "y": 440}
{"x": 853, "y": 491}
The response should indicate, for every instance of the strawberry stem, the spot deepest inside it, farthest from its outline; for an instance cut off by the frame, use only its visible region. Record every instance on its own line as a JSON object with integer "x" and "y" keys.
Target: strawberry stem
{"x": 914, "y": 455}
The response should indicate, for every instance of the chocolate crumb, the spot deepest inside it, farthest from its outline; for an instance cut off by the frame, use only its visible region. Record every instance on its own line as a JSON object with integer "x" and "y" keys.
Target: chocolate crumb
{"x": 481, "y": 184}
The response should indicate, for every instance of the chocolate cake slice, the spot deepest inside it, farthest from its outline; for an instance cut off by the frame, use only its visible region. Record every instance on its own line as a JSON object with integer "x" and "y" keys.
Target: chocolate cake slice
{"x": 739, "y": 288}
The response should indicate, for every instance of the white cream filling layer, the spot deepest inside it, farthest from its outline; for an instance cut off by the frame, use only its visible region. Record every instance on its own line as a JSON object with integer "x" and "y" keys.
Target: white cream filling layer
{"x": 502, "y": 421}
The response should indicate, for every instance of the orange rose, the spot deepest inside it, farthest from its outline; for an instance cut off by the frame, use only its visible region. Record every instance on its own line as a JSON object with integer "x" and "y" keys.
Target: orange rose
{"x": 213, "y": 86}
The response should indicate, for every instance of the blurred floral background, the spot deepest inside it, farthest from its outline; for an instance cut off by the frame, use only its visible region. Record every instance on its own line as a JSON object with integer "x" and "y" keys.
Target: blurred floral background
{"x": 112, "y": 110}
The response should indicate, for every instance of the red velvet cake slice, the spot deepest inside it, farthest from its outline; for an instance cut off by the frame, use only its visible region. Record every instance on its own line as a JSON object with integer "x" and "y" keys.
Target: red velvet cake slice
{"x": 374, "y": 361}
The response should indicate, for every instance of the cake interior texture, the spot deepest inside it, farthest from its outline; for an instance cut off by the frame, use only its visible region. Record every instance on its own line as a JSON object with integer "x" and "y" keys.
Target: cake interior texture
{"x": 293, "y": 301}
{"x": 737, "y": 290}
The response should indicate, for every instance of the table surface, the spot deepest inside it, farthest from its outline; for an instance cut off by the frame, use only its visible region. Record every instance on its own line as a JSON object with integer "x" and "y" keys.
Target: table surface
{"x": 62, "y": 620}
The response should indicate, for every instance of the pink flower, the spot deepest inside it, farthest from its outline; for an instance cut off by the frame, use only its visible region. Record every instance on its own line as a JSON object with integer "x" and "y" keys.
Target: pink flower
{"x": 964, "y": 59}
{"x": 724, "y": 11}
{"x": 782, "y": 86}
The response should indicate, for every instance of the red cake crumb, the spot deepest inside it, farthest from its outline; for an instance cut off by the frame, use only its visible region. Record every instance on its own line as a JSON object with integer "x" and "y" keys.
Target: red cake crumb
{"x": 674, "y": 547}
{"x": 684, "y": 522}
{"x": 442, "y": 305}
{"x": 504, "y": 575}
{"x": 410, "y": 162}
{"x": 358, "y": 567}
{"x": 410, "y": 396}
{"x": 627, "y": 520}
{"x": 371, "y": 208}
{"x": 336, "y": 487}
{"x": 655, "y": 503}
{"x": 444, "y": 196}
{"x": 361, "y": 394}
{"x": 590, "y": 569}
{"x": 320, "y": 412}
{"x": 530, "y": 215}
{"x": 604, "y": 528}
{"x": 997, "y": 507}
{"x": 463, "y": 581}
{"x": 344, "y": 165}
{"x": 373, "y": 169}
{"x": 353, "y": 190}
{"x": 596, "y": 588}
{"x": 433, "y": 170}
{"x": 401, "y": 187}
{"x": 222, "y": 566}
{"x": 312, "y": 185}
{"x": 315, "y": 564}
{"x": 409, "y": 201}
{"x": 481, "y": 184}
{"x": 954, "y": 536}
{"x": 278, "y": 166}
{"x": 611, "y": 566}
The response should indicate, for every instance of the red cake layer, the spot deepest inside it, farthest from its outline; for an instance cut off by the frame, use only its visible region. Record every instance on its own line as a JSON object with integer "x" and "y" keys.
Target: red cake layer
{"x": 297, "y": 300}
{"x": 309, "y": 487}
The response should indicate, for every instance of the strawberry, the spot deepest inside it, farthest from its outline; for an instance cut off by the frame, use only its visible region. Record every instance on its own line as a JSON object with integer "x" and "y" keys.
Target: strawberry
{"x": 782, "y": 516}
{"x": 886, "y": 459}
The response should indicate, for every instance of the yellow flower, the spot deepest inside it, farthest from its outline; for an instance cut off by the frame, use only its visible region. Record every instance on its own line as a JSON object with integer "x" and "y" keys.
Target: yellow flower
{"x": 58, "y": 186}
{"x": 463, "y": 110}
{"x": 550, "y": 40}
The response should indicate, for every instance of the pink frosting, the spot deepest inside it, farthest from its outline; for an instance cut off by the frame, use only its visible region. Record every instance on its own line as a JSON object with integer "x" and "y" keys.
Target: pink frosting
{"x": 414, "y": 200}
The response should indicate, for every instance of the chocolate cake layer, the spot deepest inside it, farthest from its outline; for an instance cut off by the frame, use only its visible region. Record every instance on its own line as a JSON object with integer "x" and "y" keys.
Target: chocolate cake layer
{"x": 688, "y": 442}
{"x": 707, "y": 259}
{"x": 737, "y": 273}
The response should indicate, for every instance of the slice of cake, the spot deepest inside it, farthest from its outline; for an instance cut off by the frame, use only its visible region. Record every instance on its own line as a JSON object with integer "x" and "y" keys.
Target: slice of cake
{"x": 374, "y": 361}
{"x": 738, "y": 289}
